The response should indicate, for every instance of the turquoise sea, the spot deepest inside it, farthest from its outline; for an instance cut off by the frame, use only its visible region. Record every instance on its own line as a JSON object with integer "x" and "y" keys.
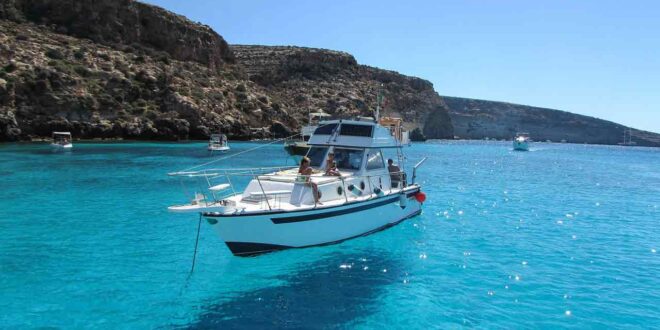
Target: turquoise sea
{"x": 563, "y": 236}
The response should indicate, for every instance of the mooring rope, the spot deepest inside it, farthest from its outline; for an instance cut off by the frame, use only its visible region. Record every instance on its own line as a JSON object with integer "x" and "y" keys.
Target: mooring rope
{"x": 199, "y": 226}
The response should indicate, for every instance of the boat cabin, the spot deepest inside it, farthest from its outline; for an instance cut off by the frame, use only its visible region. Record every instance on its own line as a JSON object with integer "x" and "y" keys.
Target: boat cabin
{"x": 62, "y": 138}
{"x": 218, "y": 142}
{"x": 312, "y": 124}
{"x": 361, "y": 167}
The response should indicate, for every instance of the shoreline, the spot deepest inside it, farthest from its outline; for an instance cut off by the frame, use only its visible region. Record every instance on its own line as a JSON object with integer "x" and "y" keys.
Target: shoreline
{"x": 429, "y": 141}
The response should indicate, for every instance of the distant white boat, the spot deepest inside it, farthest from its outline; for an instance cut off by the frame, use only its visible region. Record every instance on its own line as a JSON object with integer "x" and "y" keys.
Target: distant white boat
{"x": 521, "y": 142}
{"x": 62, "y": 141}
{"x": 218, "y": 142}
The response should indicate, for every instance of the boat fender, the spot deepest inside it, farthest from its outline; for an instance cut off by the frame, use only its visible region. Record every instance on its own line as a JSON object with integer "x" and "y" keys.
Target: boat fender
{"x": 420, "y": 197}
{"x": 352, "y": 188}
{"x": 403, "y": 201}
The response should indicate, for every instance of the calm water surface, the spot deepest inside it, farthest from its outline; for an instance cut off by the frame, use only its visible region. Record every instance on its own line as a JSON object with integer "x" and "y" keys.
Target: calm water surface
{"x": 562, "y": 236}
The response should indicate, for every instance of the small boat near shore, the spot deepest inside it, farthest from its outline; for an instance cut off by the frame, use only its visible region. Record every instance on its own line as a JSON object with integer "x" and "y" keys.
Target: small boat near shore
{"x": 218, "y": 142}
{"x": 521, "y": 142}
{"x": 281, "y": 208}
{"x": 62, "y": 141}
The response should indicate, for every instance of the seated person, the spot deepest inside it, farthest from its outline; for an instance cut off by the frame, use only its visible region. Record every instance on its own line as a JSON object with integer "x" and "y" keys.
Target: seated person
{"x": 306, "y": 170}
{"x": 332, "y": 170}
{"x": 329, "y": 161}
{"x": 396, "y": 176}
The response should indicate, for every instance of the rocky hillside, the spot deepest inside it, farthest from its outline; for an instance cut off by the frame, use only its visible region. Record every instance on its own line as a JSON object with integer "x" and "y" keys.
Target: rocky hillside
{"x": 478, "y": 119}
{"x": 123, "y": 69}
{"x": 312, "y": 79}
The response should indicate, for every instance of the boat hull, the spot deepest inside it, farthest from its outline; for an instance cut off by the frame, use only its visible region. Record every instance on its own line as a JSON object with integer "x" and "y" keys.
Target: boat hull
{"x": 248, "y": 235}
{"x": 218, "y": 148}
{"x": 58, "y": 146}
{"x": 521, "y": 146}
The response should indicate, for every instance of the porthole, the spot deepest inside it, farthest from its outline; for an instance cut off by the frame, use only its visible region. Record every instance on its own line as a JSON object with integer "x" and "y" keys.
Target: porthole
{"x": 340, "y": 191}
{"x": 362, "y": 185}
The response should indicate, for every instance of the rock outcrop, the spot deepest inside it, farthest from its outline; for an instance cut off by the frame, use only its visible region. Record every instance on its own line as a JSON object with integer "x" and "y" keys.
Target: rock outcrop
{"x": 308, "y": 79}
{"x": 124, "y": 22}
{"x": 478, "y": 119}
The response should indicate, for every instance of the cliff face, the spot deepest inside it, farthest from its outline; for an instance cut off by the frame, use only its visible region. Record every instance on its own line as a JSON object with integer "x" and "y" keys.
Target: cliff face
{"x": 311, "y": 79}
{"x": 120, "y": 68}
{"x": 478, "y": 119}
{"x": 114, "y": 22}
{"x": 108, "y": 69}
{"x": 50, "y": 81}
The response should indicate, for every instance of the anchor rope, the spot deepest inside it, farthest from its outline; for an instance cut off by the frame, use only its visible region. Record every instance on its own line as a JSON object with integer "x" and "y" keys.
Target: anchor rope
{"x": 199, "y": 225}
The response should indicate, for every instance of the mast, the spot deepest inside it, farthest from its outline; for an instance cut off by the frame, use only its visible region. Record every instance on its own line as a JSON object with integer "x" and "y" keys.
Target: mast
{"x": 379, "y": 99}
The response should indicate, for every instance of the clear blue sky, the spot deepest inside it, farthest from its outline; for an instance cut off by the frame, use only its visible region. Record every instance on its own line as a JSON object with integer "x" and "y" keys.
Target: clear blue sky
{"x": 598, "y": 58}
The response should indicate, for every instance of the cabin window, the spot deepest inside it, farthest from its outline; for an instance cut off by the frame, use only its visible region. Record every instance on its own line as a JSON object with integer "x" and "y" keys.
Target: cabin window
{"x": 375, "y": 160}
{"x": 356, "y": 130}
{"x": 317, "y": 155}
{"x": 348, "y": 159}
{"x": 326, "y": 129}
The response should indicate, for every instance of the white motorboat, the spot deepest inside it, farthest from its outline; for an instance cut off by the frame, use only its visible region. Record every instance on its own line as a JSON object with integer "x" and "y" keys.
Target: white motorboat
{"x": 521, "y": 142}
{"x": 218, "y": 142}
{"x": 278, "y": 210}
{"x": 62, "y": 141}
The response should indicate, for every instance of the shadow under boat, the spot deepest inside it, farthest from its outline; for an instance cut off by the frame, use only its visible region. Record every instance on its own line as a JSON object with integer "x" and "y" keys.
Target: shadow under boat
{"x": 331, "y": 292}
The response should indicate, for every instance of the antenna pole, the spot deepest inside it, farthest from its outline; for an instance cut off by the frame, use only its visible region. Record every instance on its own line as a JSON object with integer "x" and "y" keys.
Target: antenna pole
{"x": 379, "y": 99}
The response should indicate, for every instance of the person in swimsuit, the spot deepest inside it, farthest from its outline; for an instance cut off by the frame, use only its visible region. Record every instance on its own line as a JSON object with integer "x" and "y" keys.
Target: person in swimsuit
{"x": 306, "y": 170}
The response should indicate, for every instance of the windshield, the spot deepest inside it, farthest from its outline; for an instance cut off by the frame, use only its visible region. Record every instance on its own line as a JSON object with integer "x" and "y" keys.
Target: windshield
{"x": 348, "y": 159}
{"x": 317, "y": 155}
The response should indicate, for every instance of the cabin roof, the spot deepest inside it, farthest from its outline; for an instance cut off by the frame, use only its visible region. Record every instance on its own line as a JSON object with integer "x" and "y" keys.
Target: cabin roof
{"x": 353, "y": 133}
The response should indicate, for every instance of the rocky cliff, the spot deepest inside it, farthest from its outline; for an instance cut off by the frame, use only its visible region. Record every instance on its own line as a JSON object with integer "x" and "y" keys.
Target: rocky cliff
{"x": 312, "y": 79}
{"x": 123, "y": 69}
{"x": 478, "y": 119}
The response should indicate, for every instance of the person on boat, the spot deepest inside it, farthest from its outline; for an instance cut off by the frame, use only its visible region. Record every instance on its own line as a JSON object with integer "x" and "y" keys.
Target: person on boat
{"x": 306, "y": 170}
{"x": 329, "y": 161}
{"x": 332, "y": 170}
{"x": 395, "y": 173}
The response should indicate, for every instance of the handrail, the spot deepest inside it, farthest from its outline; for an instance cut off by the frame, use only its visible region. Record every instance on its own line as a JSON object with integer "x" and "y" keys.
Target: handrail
{"x": 415, "y": 168}
{"x": 223, "y": 171}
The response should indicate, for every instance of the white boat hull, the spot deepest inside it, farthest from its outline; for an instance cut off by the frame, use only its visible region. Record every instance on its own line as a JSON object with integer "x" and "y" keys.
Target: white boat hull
{"x": 521, "y": 145}
{"x": 61, "y": 146}
{"x": 225, "y": 148}
{"x": 248, "y": 234}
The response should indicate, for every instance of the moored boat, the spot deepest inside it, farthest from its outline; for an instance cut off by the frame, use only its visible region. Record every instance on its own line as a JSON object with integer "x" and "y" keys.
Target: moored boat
{"x": 218, "y": 142}
{"x": 521, "y": 142}
{"x": 62, "y": 141}
{"x": 350, "y": 193}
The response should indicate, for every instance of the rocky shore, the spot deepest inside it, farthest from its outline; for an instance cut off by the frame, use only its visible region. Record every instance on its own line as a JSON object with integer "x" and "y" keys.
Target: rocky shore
{"x": 122, "y": 69}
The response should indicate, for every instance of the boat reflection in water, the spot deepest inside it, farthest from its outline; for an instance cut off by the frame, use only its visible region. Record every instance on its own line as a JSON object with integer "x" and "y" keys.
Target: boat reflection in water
{"x": 327, "y": 293}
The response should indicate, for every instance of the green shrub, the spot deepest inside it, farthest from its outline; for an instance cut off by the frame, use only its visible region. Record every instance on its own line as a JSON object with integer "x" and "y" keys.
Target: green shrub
{"x": 55, "y": 54}
{"x": 79, "y": 54}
